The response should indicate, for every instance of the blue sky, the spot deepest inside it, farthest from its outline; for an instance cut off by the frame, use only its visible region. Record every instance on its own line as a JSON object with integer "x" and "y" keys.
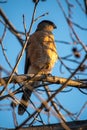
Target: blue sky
{"x": 14, "y": 10}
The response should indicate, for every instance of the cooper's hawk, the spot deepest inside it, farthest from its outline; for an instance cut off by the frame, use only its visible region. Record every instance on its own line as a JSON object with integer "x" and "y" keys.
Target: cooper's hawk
{"x": 41, "y": 56}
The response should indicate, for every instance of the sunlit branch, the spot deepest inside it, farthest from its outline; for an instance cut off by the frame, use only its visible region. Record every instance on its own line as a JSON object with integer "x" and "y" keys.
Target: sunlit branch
{"x": 51, "y": 79}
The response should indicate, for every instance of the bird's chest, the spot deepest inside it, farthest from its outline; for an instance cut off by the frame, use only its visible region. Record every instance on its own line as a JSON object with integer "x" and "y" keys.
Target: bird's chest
{"x": 42, "y": 49}
{"x": 48, "y": 47}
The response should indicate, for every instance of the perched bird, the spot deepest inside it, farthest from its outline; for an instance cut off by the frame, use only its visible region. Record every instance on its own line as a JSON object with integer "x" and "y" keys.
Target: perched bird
{"x": 41, "y": 55}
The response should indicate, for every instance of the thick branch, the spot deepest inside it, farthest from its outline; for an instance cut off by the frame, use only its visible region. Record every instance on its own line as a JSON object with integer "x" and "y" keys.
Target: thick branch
{"x": 75, "y": 125}
{"x": 44, "y": 78}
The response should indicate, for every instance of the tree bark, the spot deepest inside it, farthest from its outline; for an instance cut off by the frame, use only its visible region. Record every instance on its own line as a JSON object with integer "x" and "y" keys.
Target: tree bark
{"x": 45, "y": 78}
{"x": 74, "y": 125}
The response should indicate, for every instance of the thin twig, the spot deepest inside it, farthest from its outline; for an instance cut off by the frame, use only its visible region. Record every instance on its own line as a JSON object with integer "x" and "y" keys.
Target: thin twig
{"x": 11, "y": 27}
{"x": 41, "y": 16}
{"x": 82, "y": 109}
{"x": 6, "y": 58}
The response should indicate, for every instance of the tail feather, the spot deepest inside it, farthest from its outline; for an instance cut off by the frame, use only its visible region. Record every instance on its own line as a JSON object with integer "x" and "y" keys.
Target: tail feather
{"x": 26, "y": 96}
{"x": 24, "y": 101}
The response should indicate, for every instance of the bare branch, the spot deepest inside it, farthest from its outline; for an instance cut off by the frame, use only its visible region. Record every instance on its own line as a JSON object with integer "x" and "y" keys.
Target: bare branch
{"x": 51, "y": 79}
{"x": 75, "y": 125}
{"x": 11, "y": 27}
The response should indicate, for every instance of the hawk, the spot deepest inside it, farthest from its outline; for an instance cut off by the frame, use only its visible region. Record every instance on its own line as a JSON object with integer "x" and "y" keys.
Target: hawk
{"x": 41, "y": 55}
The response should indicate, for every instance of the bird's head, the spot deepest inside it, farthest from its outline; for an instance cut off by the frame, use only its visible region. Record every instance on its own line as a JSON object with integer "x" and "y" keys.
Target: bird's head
{"x": 46, "y": 25}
